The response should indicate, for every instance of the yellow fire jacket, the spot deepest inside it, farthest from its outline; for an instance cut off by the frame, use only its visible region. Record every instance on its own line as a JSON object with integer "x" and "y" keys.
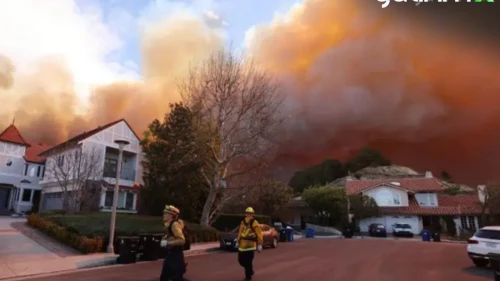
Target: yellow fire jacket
{"x": 176, "y": 238}
{"x": 249, "y": 236}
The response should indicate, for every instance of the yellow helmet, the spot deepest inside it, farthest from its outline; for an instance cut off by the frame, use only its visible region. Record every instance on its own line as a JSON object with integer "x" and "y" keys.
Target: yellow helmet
{"x": 170, "y": 209}
{"x": 250, "y": 210}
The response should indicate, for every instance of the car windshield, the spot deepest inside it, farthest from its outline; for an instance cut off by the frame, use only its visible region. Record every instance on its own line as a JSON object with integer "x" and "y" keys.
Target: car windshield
{"x": 380, "y": 226}
{"x": 488, "y": 234}
{"x": 235, "y": 230}
{"x": 404, "y": 226}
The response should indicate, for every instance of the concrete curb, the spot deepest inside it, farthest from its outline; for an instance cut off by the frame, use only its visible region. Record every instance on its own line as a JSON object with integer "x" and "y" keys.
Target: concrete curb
{"x": 107, "y": 261}
{"x": 408, "y": 239}
{"x": 98, "y": 263}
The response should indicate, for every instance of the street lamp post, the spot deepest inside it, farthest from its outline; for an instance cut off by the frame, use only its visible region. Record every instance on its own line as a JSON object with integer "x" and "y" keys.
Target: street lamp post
{"x": 121, "y": 145}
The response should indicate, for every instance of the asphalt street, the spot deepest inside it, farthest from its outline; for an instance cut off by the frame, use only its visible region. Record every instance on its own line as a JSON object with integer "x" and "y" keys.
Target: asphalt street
{"x": 315, "y": 259}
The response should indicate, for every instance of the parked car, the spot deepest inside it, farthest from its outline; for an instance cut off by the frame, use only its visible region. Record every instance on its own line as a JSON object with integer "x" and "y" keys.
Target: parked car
{"x": 377, "y": 230}
{"x": 402, "y": 230}
{"x": 228, "y": 239}
{"x": 485, "y": 241}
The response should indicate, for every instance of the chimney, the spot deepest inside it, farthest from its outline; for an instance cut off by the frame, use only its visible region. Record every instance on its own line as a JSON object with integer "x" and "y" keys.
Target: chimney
{"x": 481, "y": 189}
{"x": 428, "y": 175}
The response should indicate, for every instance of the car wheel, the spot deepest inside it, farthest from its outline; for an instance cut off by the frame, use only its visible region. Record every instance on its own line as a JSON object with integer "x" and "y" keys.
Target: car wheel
{"x": 275, "y": 243}
{"x": 481, "y": 262}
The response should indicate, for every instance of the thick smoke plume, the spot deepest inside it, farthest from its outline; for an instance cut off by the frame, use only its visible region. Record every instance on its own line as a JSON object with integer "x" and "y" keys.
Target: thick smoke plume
{"x": 352, "y": 78}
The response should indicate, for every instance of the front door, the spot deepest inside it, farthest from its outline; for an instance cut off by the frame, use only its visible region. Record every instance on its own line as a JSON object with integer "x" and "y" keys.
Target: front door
{"x": 4, "y": 198}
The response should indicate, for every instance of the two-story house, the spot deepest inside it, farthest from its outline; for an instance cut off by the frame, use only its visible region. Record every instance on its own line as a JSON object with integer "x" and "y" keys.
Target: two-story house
{"x": 20, "y": 171}
{"x": 89, "y": 162}
{"x": 419, "y": 202}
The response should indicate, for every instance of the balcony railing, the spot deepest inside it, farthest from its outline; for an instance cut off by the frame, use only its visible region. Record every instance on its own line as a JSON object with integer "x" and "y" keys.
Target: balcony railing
{"x": 126, "y": 174}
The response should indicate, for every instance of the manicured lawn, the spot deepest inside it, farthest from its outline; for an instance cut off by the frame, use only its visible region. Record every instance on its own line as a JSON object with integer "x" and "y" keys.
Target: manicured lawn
{"x": 97, "y": 224}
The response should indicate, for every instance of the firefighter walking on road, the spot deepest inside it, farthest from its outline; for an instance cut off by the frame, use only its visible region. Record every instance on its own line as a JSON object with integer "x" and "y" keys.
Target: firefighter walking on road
{"x": 174, "y": 265}
{"x": 249, "y": 240}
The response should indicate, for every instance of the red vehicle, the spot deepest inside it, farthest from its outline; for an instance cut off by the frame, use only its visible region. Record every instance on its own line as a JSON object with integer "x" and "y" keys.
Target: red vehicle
{"x": 228, "y": 239}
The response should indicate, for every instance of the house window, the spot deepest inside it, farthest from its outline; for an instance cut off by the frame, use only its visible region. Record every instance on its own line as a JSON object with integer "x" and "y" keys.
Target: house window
{"x": 110, "y": 166}
{"x": 426, "y": 199}
{"x": 38, "y": 171}
{"x": 129, "y": 201}
{"x": 26, "y": 169}
{"x": 388, "y": 198}
{"x": 43, "y": 172}
{"x": 472, "y": 223}
{"x": 26, "y": 195}
{"x": 108, "y": 200}
{"x": 463, "y": 222}
{"x": 60, "y": 160}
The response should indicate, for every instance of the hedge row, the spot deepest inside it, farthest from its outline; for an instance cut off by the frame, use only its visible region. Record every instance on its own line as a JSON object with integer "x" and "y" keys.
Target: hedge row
{"x": 95, "y": 227}
{"x": 81, "y": 243}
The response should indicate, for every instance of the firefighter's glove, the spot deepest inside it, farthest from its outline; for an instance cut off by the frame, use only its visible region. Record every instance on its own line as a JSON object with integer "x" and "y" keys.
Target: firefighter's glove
{"x": 163, "y": 243}
{"x": 259, "y": 248}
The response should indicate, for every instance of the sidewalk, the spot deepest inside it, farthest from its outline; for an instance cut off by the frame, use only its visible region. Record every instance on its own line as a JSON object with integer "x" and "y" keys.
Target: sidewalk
{"x": 26, "y": 252}
{"x": 30, "y": 268}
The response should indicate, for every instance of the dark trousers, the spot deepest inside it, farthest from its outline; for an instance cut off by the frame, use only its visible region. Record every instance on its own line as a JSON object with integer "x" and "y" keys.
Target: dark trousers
{"x": 173, "y": 266}
{"x": 245, "y": 258}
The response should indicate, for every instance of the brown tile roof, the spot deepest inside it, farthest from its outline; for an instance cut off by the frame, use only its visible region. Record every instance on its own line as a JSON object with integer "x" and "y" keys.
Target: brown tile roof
{"x": 410, "y": 184}
{"x": 448, "y": 205}
{"x": 32, "y": 152}
{"x": 11, "y": 134}
{"x": 76, "y": 139}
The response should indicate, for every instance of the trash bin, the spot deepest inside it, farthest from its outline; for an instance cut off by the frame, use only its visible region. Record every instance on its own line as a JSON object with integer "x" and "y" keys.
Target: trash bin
{"x": 310, "y": 233}
{"x": 283, "y": 237}
{"x": 289, "y": 235}
{"x": 128, "y": 250}
{"x": 150, "y": 245}
{"x": 348, "y": 232}
{"x": 426, "y": 236}
{"x": 436, "y": 236}
{"x": 495, "y": 265}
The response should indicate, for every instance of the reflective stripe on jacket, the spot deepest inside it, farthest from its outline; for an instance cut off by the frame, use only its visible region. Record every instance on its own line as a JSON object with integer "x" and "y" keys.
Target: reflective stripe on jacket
{"x": 249, "y": 236}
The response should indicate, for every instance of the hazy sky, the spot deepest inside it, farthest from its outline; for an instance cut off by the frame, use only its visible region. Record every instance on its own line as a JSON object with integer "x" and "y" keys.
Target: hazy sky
{"x": 99, "y": 40}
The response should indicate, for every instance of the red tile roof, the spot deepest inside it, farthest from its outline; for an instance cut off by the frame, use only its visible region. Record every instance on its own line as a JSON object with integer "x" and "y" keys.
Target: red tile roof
{"x": 11, "y": 134}
{"x": 448, "y": 205}
{"x": 32, "y": 152}
{"x": 76, "y": 139}
{"x": 410, "y": 184}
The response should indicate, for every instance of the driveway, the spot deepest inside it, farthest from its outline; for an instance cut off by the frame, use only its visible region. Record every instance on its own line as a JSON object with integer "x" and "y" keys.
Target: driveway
{"x": 316, "y": 259}
{"x": 16, "y": 248}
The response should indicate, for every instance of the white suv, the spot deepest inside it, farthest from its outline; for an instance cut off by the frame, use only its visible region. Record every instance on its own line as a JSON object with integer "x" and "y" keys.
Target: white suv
{"x": 485, "y": 241}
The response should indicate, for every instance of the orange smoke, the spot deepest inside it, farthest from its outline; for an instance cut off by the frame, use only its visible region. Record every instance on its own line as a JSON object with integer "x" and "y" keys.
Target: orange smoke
{"x": 355, "y": 78}
{"x": 352, "y": 79}
{"x": 47, "y": 108}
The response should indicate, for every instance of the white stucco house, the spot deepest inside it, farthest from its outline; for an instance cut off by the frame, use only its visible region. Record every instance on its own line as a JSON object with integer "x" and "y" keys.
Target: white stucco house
{"x": 419, "y": 202}
{"x": 100, "y": 142}
{"x": 20, "y": 171}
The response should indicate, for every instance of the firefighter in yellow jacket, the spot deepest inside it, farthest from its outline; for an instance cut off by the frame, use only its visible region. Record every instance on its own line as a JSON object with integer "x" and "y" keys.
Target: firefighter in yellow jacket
{"x": 174, "y": 265}
{"x": 249, "y": 240}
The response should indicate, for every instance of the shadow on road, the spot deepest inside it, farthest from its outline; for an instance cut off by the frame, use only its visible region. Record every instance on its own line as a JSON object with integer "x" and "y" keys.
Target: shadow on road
{"x": 480, "y": 272}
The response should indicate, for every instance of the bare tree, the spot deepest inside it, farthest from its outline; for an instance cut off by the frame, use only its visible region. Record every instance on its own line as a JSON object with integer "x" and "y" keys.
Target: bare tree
{"x": 78, "y": 172}
{"x": 490, "y": 202}
{"x": 239, "y": 110}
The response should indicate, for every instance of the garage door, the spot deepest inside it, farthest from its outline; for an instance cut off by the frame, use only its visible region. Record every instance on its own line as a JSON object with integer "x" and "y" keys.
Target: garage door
{"x": 411, "y": 220}
{"x": 52, "y": 201}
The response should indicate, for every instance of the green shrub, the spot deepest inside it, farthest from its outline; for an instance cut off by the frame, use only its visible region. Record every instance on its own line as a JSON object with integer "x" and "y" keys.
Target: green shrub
{"x": 61, "y": 234}
{"x": 228, "y": 222}
{"x": 96, "y": 226}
